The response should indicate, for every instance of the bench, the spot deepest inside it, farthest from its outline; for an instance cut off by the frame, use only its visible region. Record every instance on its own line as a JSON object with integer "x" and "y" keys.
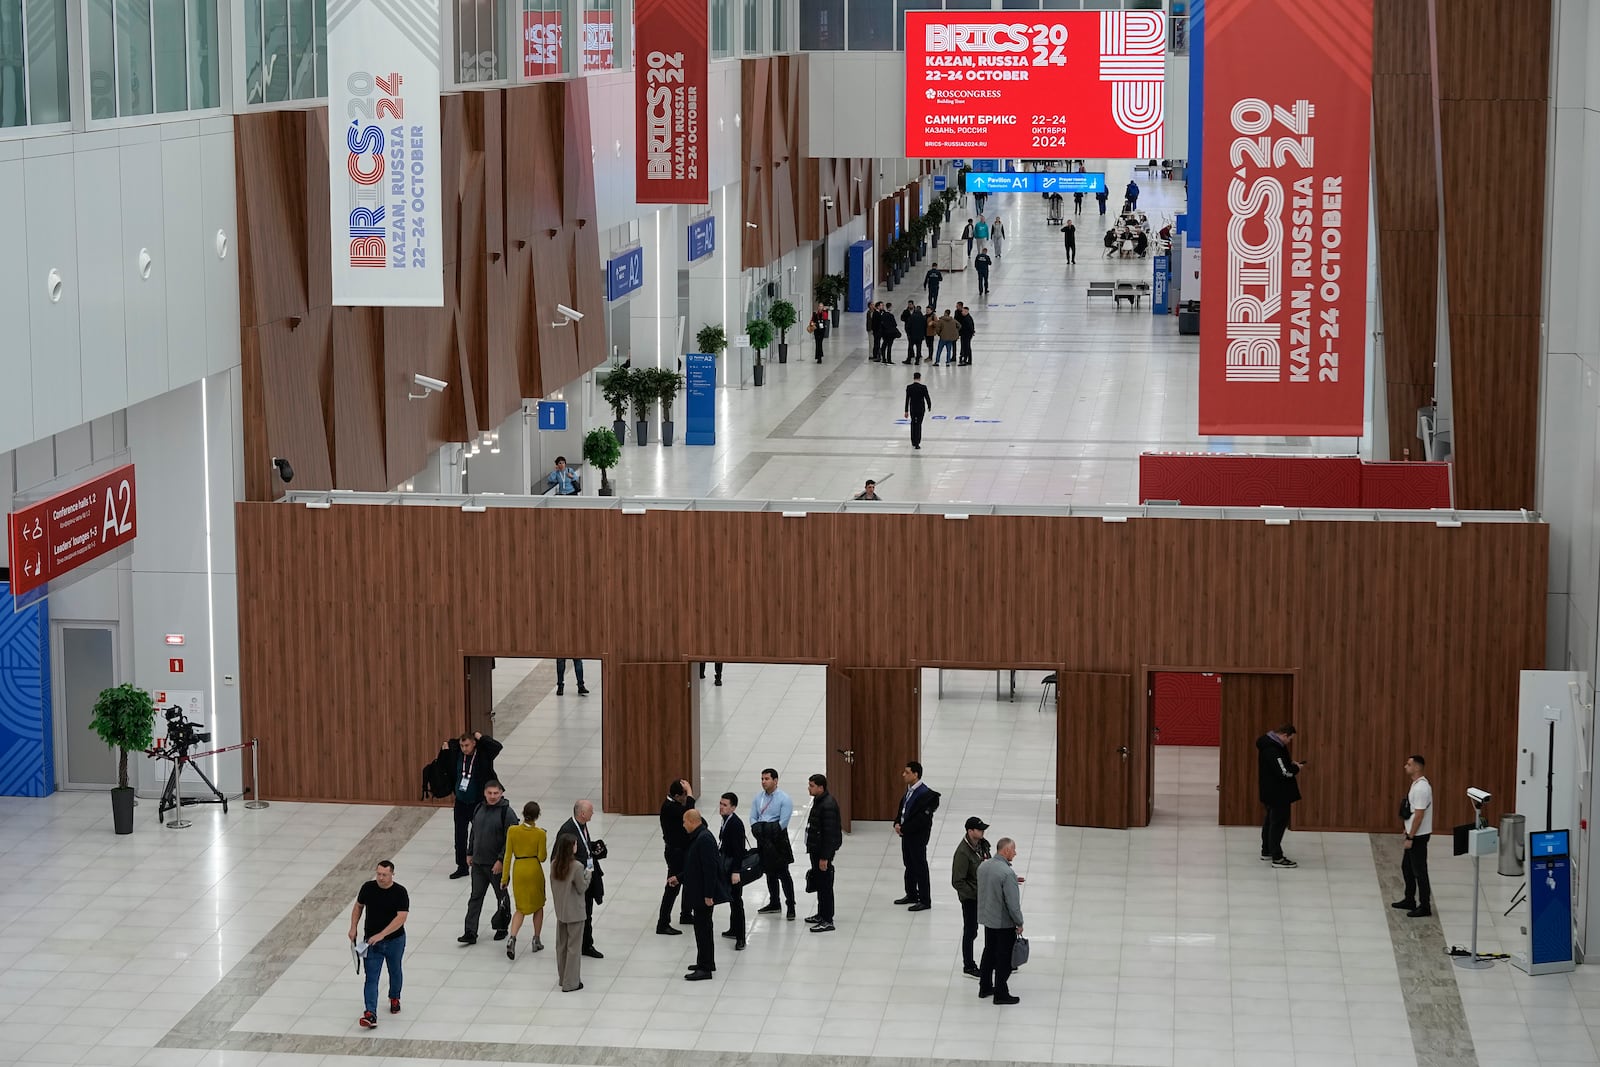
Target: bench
{"x": 1102, "y": 288}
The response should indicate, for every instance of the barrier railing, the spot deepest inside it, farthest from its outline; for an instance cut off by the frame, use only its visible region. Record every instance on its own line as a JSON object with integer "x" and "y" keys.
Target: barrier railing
{"x": 172, "y": 795}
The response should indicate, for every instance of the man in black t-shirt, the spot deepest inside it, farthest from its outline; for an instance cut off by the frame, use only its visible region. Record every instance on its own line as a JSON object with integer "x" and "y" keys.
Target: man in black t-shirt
{"x": 918, "y": 404}
{"x": 387, "y": 905}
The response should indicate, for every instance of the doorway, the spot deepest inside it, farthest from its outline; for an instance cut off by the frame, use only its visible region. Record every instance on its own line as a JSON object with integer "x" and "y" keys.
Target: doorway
{"x": 83, "y": 662}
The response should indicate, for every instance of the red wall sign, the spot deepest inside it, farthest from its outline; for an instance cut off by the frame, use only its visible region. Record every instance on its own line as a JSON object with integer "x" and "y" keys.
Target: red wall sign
{"x": 1084, "y": 83}
{"x": 174, "y": 666}
{"x": 599, "y": 42}
{"x": 541, "y": 43}
{"x": 671, "y": 39}
{"x": 63, "y": 532}
{"x": 1283, "y": 280}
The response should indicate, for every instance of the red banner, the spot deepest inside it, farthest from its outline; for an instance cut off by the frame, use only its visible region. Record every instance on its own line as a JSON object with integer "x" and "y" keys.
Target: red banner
{"x": 599, "y": 44}
{"x": 1283, "y": 281}
{"x": 541, "y": 43}
{"x": 671, "y": 39}
{"x": 63, "y": 532}
{"x": 1085, "y": 83}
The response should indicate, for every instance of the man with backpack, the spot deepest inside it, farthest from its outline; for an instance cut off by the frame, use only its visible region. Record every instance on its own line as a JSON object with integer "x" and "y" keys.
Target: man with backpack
{"x": 462, "y": 768}
{"x": 486, "y": 844}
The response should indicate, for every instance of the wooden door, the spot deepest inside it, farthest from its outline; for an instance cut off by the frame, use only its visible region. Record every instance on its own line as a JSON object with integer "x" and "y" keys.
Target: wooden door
{"x": 886, "y": 725}
{"x": 840, "y": 743}
{"x": 1252, "y": 704}
{"x": 1095, "y": 742}
{"x": 650, "y": 734}
{"x": 479, "y": 683}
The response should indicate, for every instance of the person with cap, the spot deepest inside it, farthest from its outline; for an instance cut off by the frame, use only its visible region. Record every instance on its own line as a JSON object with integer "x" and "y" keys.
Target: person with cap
{"x": 970, "y": 854}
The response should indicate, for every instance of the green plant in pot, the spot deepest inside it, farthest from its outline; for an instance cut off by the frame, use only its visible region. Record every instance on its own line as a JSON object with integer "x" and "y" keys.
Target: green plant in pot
{"x": 711, "y": 340}
{"x": 760, "y": 339}
{"x": 782, "y": 314}
{"x": 124, "y": 718}
{"x": 667, "y": 384}
{"x": 642, "y": 394}
{"x": 602, "y": 449}
{"x": 617, "y": 389}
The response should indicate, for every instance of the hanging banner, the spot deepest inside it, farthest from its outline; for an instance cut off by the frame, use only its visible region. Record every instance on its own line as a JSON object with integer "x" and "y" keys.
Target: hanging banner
{"x": 383, "y": 153}
{"x": 671, "y": 38}
{"x": 52, "y": 537}
{"x": 1284, "y": 265}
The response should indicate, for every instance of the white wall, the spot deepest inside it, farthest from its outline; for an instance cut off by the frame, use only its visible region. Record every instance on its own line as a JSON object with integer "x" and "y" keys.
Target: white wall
{"x": 85, "y": 205}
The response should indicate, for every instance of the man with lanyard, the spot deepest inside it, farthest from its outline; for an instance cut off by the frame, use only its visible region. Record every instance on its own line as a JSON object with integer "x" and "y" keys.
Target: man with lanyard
{"x": 769, "y": 822}
{"x": 473, "y": 758}
{"x": 914, "y": 825}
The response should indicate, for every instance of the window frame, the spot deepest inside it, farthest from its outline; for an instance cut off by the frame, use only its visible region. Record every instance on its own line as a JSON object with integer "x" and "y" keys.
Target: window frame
{"x": 76, "y": 97}
{"x": 79, "y": 68}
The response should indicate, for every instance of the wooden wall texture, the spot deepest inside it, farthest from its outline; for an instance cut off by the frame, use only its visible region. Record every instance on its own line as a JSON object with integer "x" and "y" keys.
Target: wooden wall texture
{"x": 326, "y": 387}
{"x": 354, "y": 622}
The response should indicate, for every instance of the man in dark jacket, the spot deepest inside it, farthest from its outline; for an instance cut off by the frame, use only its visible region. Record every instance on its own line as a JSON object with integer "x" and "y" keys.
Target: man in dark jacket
{"x": 733, "y": 845}
{"x": 1069, "y": 235}
{"x": 1280, "y": 787}
{"x": 918, "y": 403}
{"x": 704, "y": 887}
{"x": 931, "y": 281}
{"x": 470, "y": 762}
{"x": 486, "y": 845}
{"x": 824, "y": 835}
{"x": 970, "y": 854}
{"x": 674, "y": 842}
{"x": 914, "y": 824}
{"x": 916, "y": 329}
{"x": 968, "y": 329}
{"x": 981, "y": 265}
{"x": 589, "y": 853}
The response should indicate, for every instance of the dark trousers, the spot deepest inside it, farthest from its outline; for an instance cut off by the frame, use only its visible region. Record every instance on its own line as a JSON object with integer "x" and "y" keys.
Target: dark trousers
{"x": 933, "y": 296}
{"x": 463, "y": 821}
{"x": 995, "y": 970}
{"x": 983, "y": 281}
{"x": 588, "y": 921}
{"x": 736, "y": 913}
{"x": 966, "y": 350}
{"x": 969, "y": 932}
{"x": 483, "y": 879}
{"x": 913, "y": 852}
{"x": 561, "y": 671}
{"x": 1273, "y": 825}
{"x": 668, "y": 895}
{"x": 705, "y": 937}
{"x": 817, "y": 335}
{"x": 1414, "y": 868}
{"x": 780, "y": 877}
{"x": 823, "y": 880}
{"x": 1072, "y": 253}
{"x": 916, "y": 442}
{"x": 719, "y": 671}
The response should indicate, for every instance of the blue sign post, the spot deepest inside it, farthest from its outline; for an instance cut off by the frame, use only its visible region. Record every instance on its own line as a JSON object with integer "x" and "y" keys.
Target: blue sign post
{"x": 1549, "y": 903}
{"x": 700, "y": 373}
{"x": 861, "y": 271}
{"x": 552, "y": 414}
{"x": 1036, "y": 182}
{"x": 625, "y": 273}
{"x": 939, "y": 183}
{"x": 1161, "y": 285}
{"x": 702, "y": 238}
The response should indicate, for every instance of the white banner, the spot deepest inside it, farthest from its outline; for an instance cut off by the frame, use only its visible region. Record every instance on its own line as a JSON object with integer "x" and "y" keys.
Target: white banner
{"x": 383, "y": 153}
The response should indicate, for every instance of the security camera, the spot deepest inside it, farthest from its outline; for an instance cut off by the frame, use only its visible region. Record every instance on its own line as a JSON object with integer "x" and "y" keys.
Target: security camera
{"x": 428, "y": 386}
{"x": 572, "y": 315}
{"x": 1479, "y": 797}
{"x": 285, "y": 471}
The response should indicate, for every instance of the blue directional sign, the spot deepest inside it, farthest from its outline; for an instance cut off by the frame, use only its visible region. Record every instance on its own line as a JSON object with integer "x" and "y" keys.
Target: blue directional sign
{"x": 701, "y": 408}
{"x": 1036, "y": 182}
{"x": 702, "y": 238}
{"x": 552, "y": 414}
{"x": 625, "y": 273}
{"x": 939, "y": 183}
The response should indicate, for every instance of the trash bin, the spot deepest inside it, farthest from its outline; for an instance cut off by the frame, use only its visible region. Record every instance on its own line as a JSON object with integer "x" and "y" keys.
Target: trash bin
{"x": 1513, "y": 845}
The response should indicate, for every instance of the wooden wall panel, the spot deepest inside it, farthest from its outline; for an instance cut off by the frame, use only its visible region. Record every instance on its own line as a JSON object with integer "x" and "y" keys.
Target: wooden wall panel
{"x": 885, "y": 732}
{"x": 839, "y": 757}
{"x": 652, "y": 727}
{"x": 1407, "y": 637}
{"x": 1252, "y": 704}
{"x": 1095, "y": 743}
{"x": 517, "y": 186}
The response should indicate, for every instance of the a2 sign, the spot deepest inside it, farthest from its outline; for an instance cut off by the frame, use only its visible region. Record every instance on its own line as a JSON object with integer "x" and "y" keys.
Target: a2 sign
{"x": 54, "y": 536}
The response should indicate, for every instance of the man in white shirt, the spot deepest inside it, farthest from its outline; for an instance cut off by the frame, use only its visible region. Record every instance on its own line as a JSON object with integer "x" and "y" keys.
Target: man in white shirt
{"x": 1416, "y": 814}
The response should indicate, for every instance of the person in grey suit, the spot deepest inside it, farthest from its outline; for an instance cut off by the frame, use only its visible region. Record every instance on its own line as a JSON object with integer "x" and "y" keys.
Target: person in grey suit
{"x": 589, "y": 853}
{"x": 569, "y": 885}
{"x": 1000, "y": 912}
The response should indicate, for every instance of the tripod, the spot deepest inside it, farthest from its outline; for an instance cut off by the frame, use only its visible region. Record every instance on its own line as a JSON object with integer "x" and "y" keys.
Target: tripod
{"x": 171, "y": 800}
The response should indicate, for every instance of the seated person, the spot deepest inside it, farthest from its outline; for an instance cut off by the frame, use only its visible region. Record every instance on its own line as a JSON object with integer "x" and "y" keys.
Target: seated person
{"x": 1111, "y": 238}
{"x": 564, "y": 478}
{"x": 1141, "y": 243}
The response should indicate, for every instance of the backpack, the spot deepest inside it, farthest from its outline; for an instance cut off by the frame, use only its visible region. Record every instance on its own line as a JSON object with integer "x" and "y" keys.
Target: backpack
{"x": 437, "y": 780}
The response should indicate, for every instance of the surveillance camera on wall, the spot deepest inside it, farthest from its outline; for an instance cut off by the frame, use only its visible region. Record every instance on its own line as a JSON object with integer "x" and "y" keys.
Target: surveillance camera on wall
{"x": 285, "y": 471}
{"x": 1479, "y": 797}
{"x": 571, "y": 315}
{"x": 428, "y": 386}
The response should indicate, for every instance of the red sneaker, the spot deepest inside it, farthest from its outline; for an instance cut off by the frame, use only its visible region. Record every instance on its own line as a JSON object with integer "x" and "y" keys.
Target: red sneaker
{"x": 394, "y": 1005}
{"x": 369, "y": 1020}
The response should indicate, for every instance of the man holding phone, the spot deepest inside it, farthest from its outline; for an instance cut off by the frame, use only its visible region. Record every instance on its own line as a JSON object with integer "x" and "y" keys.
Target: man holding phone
{"x": 1278, "y": 779}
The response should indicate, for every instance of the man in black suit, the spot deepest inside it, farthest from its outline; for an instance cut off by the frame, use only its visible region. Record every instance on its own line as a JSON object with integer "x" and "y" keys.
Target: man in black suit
{"x": 704, "y": 887}
{"x": 732, "y": 842}
{"x": 674, "y": 842}
{"x": 469, "y": 760}
{"x": 914, "y": 824}
{"x": 589, "y": 853}
{"x": 824, "y": 835}
{"x": 918, "y": 403}
{"x": 1278, "y": 778}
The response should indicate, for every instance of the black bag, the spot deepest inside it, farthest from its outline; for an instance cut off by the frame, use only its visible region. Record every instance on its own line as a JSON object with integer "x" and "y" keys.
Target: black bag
{"x": 811, "y": 879}
{"x": 438, "y": 779}
{"x": 501, "y": 920}
{"x": 1405, "y": 808}
{"x": 750, "y": 867}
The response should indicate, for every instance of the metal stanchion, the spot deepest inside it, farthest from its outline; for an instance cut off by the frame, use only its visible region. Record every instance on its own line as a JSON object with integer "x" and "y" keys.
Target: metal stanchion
{"x": 255, "y": 800}
{"x": 178, "y": 822}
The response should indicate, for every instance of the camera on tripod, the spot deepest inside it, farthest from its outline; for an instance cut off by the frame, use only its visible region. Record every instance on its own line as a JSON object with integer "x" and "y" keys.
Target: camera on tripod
{"x": 182, "y": 734}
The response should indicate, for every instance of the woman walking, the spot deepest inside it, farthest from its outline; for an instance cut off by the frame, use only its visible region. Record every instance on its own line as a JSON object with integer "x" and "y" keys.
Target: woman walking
{"x": 818, "y": 328}
{"x": 569, "y": 881}
{"x": 522, "y": 869}
{"x": 997, "y": 234}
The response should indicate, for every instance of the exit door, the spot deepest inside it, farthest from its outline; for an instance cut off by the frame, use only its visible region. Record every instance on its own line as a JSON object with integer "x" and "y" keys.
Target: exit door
{"x": 83, "y": 659}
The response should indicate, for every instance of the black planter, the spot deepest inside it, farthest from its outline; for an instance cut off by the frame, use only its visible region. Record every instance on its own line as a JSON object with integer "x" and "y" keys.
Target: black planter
{"x": 783, "y": 352}
{"x": 122, "y": 810}
{"x": 760, "y": 372}
{"x": 666, "y": 432}
{"x": 834, "y": 313}
{"x": 620, "y": 428}
{"x": 606, "y": 488}
{"x": 641, "y": 433}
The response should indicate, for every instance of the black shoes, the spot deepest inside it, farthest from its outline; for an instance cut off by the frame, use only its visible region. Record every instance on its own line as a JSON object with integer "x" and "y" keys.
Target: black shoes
{"x": 822, "y": 927}
{"x": 467, "y": 939}
{"x": 369, "y": 1020}
{"x": 730, "y": 933}
{"x": 813, "y": 918}
{"x": 919, "y": 907}
{"x": 717, "y": 682}
{"x": 906, "y": 900}
{"x": 460, "y": 872}
{"x": 791, "y": 912}
{"x": 770, "y": 908}
{"x": 500, "y": 935}
{"x": 1007, "y": 998}
{"x": 1404, "y": 905}
{"x": 738, "y": 946}
{"x": 1419, "y": 913}
{"x": 668, "y": 929}
{"x": 594, "y": 954}
{"x": 1284, "y": 862}
{"x": 582, "y": 691}
{"x": 972, "y": 972}
{"x": 561, "y": 687}
{"x": 697, "y": 976}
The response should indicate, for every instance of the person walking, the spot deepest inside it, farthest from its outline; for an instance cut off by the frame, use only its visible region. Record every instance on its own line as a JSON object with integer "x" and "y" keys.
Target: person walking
{"x": 1000, "y": 912}
{"x": 1069, "y": 237}
{"x": 674, "y": 846}
{"x": 1102, "y": 196}
{"x": 949, "y": 333}
{"x": 1416, "y": 821}
{"x": 387, "y": 906}
{"x": 818, "y": 328}
{"x": 469, "y": 760}
{"x": 823, "y": 838}
{"x": 570, "y": 882}
{"x": 918, "y": 404}
{"x": 769, "y": 824}
{"x": 733, "y": 845}
{"x": 589, "y": 852}
{"x": 978, "y": 201}
{"x": 561, "y": 677}
{"x": 968, "y": 329}
{"x": 970, "y": 854}
{"x": 704, "y": 887}
{"x": 1132, "y": 193}
{"x": 486, "y": 845}
{"x": 931, "y": 282}
{"x": 916, "y": 328}
{"x": 717, "y": 672}
{"x": 967, "y": 236}
{"x": 980, "y": 231}
{"x": 982, "y": 264}
{"x": 914, "y": 826}
{"x": 1278, "y": 779}
{"x": 522, "y": 869}
{"x": 997, "y": 234}
{"x": 1077, "y": 203}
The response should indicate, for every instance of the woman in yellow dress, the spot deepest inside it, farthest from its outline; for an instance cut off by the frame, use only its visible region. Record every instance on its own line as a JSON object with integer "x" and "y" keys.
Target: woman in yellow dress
{"x": 522, "y": 868}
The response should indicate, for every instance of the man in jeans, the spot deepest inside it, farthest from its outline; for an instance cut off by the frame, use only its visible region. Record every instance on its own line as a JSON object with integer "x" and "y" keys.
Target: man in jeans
{"x": 1277, "y": 776}
{"x": 387, "y": 906}
{"x": 1418, "y": 901}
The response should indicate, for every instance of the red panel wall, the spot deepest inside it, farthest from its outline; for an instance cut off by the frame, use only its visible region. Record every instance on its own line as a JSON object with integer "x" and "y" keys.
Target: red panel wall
{"x": 1188, "y": 709}
{"x": 1232, "y": 479}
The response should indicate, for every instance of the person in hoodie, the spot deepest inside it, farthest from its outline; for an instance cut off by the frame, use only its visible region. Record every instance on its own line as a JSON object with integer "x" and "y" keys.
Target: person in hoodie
{"x": 981, "y": 229}
{"x": 486, "y": 848}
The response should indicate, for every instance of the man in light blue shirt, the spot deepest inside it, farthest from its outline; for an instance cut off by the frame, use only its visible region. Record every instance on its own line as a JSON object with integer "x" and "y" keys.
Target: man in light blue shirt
{"x": 769, "y": 823}
{"x": 564, "y": 478}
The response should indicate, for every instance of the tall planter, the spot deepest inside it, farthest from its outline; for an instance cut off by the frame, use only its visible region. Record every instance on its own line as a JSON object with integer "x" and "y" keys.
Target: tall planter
{"x": 620, "y": 428}
{"x": 124, "y": 718}
{"x": 122, "y": 809}
{"x": 783, "y": 315}
{"x": 641, "y": 432}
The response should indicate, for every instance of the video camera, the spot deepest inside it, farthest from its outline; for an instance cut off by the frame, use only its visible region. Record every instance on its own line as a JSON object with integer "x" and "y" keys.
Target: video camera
{"x": 182, "y": 734}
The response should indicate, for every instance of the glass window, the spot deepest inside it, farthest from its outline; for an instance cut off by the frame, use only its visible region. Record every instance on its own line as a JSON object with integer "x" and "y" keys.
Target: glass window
{"x": 1062, "y": 5}
{"x": 911, "y": 5}
{"x": 203, "y": 89}
{"x": 481, "y": 41}
{"x": 871, "y": 26}
{"x": 721, "y": 32}
{"x": 149, "y": 56}
{"x": 752, "y": 26}
{"x": 13, "y": 66}
{"x": 135, "y": 71}
{"x": 33, "y": 62}
{"x": 302, "y": 55}
{"x": 780, "y": 26}
{"x": 1019, "y": 5}
{"x": 821, "y": 25}
{"x": 285, "y": 51}
{"x": 967, "y": 5}
{"x": 599, "y": 35}
{"x": 102, "y": 61}
{"x": 171, "y": 56}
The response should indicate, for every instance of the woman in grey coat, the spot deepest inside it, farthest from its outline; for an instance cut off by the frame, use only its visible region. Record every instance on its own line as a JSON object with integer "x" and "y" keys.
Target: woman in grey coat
{"x": 569, "y": 881}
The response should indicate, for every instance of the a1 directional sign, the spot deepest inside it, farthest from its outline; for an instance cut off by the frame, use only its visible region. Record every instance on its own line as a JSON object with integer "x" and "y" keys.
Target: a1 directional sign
{"x": 552, "y": 414}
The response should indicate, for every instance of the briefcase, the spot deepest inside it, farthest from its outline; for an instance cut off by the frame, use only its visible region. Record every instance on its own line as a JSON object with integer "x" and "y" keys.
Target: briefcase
{"x": 1019, "y": 952}
{"x": 750, "y": 867}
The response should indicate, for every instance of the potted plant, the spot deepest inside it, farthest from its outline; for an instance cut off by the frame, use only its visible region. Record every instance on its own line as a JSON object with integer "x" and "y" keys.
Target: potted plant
{"x": 124, "y": 718}
{"x": 830, "y": 290}
{"x": 617, "y": 389}
{"x": 602, "y": 449}
{"x": 712, "y": 340}
{"x": 642, "y": 393}
{"x": 760, "y": 339}
{"x": 782, "y": 314}
{"x": 667, "y": 384}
